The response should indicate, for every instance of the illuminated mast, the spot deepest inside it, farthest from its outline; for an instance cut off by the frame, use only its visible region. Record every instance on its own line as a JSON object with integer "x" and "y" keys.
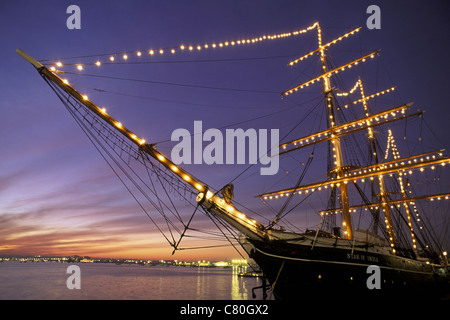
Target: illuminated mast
{"x": 338, "y": 163}
{"x": 338, "y": 170}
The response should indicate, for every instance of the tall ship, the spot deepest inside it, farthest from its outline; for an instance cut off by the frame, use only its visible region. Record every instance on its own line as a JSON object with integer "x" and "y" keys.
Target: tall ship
{"x": 373, "y": 239}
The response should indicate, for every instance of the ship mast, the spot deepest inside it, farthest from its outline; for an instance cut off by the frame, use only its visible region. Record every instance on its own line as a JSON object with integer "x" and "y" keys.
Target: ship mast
{"x": 373, "y": 160}
{"x": 338, "y": 163}
{"x": 338, "y": 169}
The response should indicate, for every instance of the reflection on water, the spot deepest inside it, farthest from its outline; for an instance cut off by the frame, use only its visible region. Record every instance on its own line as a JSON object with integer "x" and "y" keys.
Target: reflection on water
{"x": 224, "y": 282}
{"x": 238, "y": 289}
{"x": 46, "y": 280}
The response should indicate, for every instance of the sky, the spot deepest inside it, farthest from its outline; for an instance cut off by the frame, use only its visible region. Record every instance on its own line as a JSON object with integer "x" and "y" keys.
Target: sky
{"x": 58, "y": 196}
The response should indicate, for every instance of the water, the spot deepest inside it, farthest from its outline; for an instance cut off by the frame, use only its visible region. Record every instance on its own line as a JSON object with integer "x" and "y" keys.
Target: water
{"x": 106, "y": 281}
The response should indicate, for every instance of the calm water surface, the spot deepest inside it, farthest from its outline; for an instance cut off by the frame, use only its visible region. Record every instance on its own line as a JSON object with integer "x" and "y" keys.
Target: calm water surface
{"x": 47, "y": 280}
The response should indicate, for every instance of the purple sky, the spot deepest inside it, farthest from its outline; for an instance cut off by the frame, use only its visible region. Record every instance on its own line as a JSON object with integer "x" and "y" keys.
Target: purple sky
{"x": 57, "y": 195}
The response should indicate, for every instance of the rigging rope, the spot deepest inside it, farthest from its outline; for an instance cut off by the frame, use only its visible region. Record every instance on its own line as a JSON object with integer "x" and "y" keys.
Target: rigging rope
{"x": 177, "y": 101}
{"x": 160, "y": 208}
{"x": 88, "y": 128}
{"x": 251, "y": 119}
{"x": 279, "y": 216}
{"x": 173, "y": 83}
{"x": 241, "y": 173}
{"x": 96, "y": 144}
{"x": 226, "y": 226}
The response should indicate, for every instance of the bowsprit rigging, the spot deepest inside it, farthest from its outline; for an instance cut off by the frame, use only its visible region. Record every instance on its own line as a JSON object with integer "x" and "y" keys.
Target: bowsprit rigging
{"x": 367, "y": 186}
{"x": 167, "y": 183}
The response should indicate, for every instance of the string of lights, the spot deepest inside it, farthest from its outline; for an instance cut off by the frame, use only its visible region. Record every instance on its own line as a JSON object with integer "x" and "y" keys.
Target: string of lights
{"x": 322, "y": 47}
{"x": 56, "y": 64}
{"x": 366, "y": 97}
{"x": 331, "y": 72}
{"x": 168, "y": 61}
{"x": 408, "y": 164}
{"x": 384, "y": 117}
{"x": 391, "y": 203}
{"x": 363, "y": 99}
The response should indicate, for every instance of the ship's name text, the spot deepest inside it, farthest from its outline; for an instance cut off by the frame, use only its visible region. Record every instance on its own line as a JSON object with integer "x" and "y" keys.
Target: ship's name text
{"x": 362, "y": 257}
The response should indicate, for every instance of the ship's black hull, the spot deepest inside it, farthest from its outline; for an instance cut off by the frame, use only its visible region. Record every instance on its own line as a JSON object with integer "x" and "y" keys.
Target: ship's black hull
{"x": 297, "y": 271}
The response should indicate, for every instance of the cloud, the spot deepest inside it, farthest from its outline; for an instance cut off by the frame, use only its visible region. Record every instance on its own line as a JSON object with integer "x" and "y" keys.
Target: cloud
{"x": 90, "y": 215}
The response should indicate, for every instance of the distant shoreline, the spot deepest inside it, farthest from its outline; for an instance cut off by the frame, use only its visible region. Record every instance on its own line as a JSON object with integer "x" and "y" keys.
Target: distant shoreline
{"x": 86, "y": 259}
